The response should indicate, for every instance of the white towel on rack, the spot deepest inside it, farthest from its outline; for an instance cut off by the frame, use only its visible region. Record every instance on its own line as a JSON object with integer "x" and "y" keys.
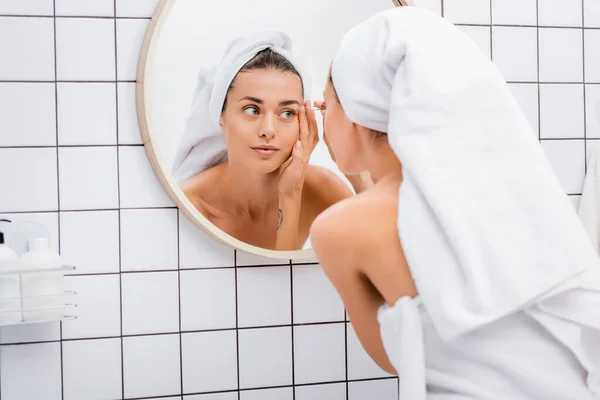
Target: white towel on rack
{"x": 589, "y": 205}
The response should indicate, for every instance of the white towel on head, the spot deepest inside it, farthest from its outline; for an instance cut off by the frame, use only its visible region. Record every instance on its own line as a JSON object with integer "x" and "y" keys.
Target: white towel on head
{"x": 202, "y": 144}
{"x": 486, "y": 227}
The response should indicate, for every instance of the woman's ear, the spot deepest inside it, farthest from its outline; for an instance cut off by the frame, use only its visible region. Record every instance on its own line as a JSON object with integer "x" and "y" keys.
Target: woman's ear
{"x": 221, "y": 121}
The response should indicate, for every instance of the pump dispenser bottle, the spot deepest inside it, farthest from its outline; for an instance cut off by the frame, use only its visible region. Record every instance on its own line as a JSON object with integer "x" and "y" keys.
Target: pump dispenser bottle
{"x": 10, "y": 300}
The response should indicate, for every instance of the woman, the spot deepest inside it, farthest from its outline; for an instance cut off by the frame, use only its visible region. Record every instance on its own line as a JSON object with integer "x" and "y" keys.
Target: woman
{"x": 258, "y": 186}
{"x": 464, "y": 269}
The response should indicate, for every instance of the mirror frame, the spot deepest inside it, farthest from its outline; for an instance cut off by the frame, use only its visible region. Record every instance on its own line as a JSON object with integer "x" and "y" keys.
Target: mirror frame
{"x": 148, "y": 133}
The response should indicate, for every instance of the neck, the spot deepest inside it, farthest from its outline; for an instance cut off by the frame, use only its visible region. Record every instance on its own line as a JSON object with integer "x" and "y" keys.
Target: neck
{"x": 251, "y": 193}
{"x": 382, "y": 162}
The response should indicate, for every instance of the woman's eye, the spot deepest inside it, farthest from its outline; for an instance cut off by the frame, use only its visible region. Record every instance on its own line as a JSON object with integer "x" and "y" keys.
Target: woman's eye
{"x": 288, "y": 114}
{"x": 251, "y": 110}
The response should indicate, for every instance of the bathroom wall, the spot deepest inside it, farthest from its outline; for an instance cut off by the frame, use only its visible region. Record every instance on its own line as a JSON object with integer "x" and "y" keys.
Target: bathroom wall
{"x": 164, "y": 311}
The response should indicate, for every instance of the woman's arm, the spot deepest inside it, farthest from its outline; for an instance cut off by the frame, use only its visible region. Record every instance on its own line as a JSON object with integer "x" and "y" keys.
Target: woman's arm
{"x": 339, "y": 240}
{"x": 288, "y": 221}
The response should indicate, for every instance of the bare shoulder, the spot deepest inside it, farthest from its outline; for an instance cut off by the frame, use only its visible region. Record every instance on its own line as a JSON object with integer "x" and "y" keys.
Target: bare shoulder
{"x": 324, "y": 180}
{"x": 200, "y": 187}
{"x": 360, "y": 234}
{"x": 356, "y": 222}
{"x": 323, "y": 187}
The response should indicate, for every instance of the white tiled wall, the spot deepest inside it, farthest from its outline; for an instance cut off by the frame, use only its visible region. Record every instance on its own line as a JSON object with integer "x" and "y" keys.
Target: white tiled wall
{"x": 165, "y": 312}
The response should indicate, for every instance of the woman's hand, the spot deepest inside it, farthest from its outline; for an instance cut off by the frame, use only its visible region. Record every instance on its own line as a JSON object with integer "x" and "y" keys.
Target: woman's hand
{"x": 293, "y": 171}
{"x": 323, "y": 107}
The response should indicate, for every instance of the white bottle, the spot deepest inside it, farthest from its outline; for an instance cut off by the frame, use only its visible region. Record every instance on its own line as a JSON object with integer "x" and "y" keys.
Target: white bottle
{"x": 42, "y": 291}
{"x": 10, "y": 292}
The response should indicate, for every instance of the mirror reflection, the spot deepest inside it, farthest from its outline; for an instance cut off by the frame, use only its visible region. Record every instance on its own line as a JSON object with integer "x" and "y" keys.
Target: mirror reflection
{"x": 237, "y": 113}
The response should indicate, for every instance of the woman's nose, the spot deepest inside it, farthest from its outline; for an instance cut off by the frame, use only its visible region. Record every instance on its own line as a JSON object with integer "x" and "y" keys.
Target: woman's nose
{"x": 267, "y": 129}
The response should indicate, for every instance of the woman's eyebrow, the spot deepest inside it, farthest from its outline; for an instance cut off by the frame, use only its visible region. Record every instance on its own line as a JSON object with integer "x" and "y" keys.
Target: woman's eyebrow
{"x": 254, "y": 99}
{"x": 288, "y": 102}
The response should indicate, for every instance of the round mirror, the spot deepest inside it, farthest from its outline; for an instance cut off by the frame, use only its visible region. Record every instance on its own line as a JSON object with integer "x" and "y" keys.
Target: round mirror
{"x": 221, "y": 96}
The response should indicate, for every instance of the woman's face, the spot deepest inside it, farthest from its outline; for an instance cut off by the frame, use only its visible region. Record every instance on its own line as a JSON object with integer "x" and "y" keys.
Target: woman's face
{"x": 260, "y": 120}
{"x": 340, "y": 133}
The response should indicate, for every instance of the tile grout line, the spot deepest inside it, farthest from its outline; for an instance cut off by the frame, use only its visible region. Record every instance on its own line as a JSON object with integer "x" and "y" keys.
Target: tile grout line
{"x": 237, "y": 324}
{"x": 179, "y": 296}
{"x": 539, "y": 94}
{"x": 56, "y": 117}
{"x": 584, "y": 88}
{"x": 70, "y": 16}
{"x": 346, "y": 353}
{"x": 253, "y": 389}
{"x": 139, "y": 335}
{"x": 292, "y": 330}
{"x": 119, "y": 203}
{"x": 491, "y": 30}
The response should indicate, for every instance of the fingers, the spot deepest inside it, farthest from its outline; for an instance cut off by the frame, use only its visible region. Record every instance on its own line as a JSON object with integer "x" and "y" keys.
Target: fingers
{"x": 321, "y": 105}
{"x": 313, "y": 128}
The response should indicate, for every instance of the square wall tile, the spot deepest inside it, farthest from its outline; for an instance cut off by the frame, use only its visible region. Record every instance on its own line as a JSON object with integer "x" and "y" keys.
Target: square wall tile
{"x": 27, "y": 48}
{"x": 386, "y": 389}
{"x": 148, "y": 239}
{"x": 85, "y": 49}
{"x": 87, "y": 113}
{"x": 151, "y": 359}
{"x": 467, "y": 11}
{"x": 31, "y": 372}
{"x": 32, "y": 185}
{"x": 481, "y": 36}
{"x": 129, "y": 128}
{"x": 592, "y": 55}
{"x": 559, "y": 13}
{"x": 265, "y": 357}
{"x": 515, "y": 52}
{"x": 30, "y": 7}
{"x": 27, "y": 333}
{"x": 591, "y": 9}
{"x": 92, "y": 369}
{"x": 48, "y": 222}
{"x": 198, "y": 250}
{"x": 526, "y": 95}
{"x": 90, "y": 241}
{"x": 334, "y": 391}
{"x": 319, "y": 353}
{"x": 150, "y": 303}
{"x": 215, "y": 396}
{"x": 315, "y": 298}
{"x": 130, "y": 35}
{"x": 138, "y": 183}
{"x": 98, "y": 309}
{"x": 567, "y": 159}
{"x": 96, "y": 8}
{"x": 360, "y": 364}
{"x": 431, "y": 5}
{"x": 561, "y": 111}
{"x": 88, "y": 178}
{"x": 18, "y": 103}
{"x": 561, "y": 55}
{"x": 209, "y": 361}
{"x": 264, "y": 296}
{"x": 592, "y": 106}
{"x": 208, "y": 299}
{"x": 504, "y": 12}
{"x": 268, "y": 394}
{"x": 242, "y": 258}
{"x": 136, "y": 8}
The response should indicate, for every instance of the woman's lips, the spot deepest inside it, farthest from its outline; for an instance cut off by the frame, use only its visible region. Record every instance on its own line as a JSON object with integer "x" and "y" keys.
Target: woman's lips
{"x": 264, "y": 152}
